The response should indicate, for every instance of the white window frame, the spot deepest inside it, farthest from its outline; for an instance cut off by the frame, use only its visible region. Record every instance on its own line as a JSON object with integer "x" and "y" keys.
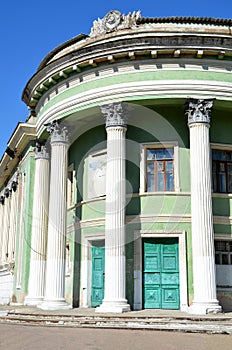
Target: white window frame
{"x": 221, "y": 270}
{"x": 157, "y": 145}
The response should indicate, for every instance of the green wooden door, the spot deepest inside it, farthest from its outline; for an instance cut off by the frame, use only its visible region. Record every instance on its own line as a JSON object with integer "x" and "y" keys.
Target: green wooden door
{"x": 98, "y": 270}
{"x": 161, "y": 273}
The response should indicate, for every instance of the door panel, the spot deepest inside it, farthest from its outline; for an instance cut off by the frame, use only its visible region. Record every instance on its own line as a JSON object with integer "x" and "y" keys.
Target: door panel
{"x": 98, "y": 269}
{"x": 161, "y": 273}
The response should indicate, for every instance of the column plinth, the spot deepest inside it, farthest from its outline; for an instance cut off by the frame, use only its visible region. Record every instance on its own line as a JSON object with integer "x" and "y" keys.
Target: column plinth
{"x": 204, "y": 277}
{"x": 115, "y": 256}
{"x": 39, "y": 227}
{"x": 55, "y": 265}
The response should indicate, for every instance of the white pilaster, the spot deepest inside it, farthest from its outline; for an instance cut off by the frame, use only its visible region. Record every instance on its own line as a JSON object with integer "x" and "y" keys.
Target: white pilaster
{"x": 2, "y": 202}
{"x": 115, "y": 271}
{"x": 205, "y": 300}
{"x": 55, "y": 267}
{"x": 13, "y": 220}
{"x": 39, "y": 227}
{"x": 6, "y": 225}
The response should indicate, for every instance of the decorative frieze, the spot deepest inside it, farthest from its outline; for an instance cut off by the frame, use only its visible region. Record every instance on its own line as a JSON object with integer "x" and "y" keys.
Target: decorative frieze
{"x": 58, "y": 131}
{"x": 115, "y": 114}
{"x": 199, "y": 110}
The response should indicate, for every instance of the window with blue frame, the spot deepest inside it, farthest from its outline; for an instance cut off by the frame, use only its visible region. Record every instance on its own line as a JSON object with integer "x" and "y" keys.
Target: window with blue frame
{"x": 159, "y": 169}
{"x": 222, "y": 171}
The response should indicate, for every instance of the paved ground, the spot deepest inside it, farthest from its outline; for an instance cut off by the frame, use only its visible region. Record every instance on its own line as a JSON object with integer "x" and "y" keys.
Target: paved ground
{"x": 20, "y": 337}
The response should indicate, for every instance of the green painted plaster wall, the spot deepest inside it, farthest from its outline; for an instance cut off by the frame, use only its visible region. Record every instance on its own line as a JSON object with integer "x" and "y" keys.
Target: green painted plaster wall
{"x": 155, "y": 75}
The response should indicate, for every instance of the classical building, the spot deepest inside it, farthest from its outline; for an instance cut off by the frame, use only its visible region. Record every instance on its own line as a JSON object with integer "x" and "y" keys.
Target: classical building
{"x": 116, "y": 192}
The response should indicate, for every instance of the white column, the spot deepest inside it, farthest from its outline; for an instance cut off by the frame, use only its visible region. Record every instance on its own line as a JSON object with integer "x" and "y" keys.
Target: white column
{"x": 6, "y": 224}
{"x": 204, "y": 281}
{"x": 39, "y": 226}
{"x": 13, "y": 219}
{"x": 2, "y": 204}
{"x": 55, "y": 267}
{"x": 115, "y": 259}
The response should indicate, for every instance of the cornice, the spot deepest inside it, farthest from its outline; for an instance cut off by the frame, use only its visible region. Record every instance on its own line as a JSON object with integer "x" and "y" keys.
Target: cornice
{"x": 127, "y": 46}
{"x": 23, "y": 134}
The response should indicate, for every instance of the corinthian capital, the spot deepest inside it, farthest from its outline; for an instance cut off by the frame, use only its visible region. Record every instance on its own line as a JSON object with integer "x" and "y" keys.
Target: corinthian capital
{"x": 41, "y": 151}
{"x": 199, "y": 110}
{"x": 58, "y": 132}
{"x": 115, "y": 114}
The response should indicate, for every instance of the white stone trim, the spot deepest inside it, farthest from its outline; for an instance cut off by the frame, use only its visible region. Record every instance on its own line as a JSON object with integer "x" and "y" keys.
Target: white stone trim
{"x": 125, "y": 91}
{"x": 86, "y": 268}
{"x": 138, "y": 235}
{"x": 155, "y": 145}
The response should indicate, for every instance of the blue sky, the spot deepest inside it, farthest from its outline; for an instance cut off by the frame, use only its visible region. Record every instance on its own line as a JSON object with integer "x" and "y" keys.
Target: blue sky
{"x": 30, "y": 30}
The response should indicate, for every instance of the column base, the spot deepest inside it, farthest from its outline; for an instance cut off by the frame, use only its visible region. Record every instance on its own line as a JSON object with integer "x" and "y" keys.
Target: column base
{"x": 33, "y": 301}
{"x": 114, "y": 306}
{"x": 54, "y": 305}
{"x": 203, "y": 308}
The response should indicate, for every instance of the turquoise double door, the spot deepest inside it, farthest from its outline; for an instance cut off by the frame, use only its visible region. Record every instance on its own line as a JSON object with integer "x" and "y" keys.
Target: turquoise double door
{"x": 98, "y": 273}
{"x": 161, "y": 273}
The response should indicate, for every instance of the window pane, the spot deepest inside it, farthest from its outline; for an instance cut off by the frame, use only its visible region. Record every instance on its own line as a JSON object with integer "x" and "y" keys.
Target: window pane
{"x": 214, "y": 155}
{"x": 169, "y": 182}
{"x": 160, "y": 166}
{"x": 217, "y": 259}
{"x": 169, "y": 153}
{"x": 229, "y": 168}
{"x": 225, "y": 259}
{"x": 222, "y": 184}
{"x": 150, "y": 154}
{"x": 160, "y": 182}
{"x": 169, "y": 166}
{"x": 160, "y": 154}
{"x": 150, "y": 183}
{"x": 150, "y": 177}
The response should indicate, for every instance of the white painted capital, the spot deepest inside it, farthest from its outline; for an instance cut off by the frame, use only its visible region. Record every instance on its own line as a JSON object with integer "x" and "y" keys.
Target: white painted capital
{"x": 58, "y": 132}
{"x": 199, "y": 111}
{"x": 115, "y": 114}
{"x": 41, "y": 151}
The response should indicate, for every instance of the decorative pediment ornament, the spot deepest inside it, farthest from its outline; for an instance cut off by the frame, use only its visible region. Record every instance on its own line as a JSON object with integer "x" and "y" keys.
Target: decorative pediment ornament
{"x": 199, "y": 110}
{"x": 116, "y": 114}
{"x": 114, "y": 20}
{"x": 58, "y": 132}
{"x": 41, "y": 151}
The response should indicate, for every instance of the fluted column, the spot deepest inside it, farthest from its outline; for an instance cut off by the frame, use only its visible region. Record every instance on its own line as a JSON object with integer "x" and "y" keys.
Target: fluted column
{"x": 115, "y": 259}
{"x": 55, "y": 268}
{"x": 39, "y": 226}
{"x": 6, "y": 224}
{"x": 205, "y": 300}
{"x": 13, "y": 219}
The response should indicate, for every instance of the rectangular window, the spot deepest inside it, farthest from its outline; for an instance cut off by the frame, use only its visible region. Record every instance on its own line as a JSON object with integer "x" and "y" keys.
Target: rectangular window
{"x": 159, "y": 169}
{"x": 223, "y": 252}
{"x": 222, "y": 171}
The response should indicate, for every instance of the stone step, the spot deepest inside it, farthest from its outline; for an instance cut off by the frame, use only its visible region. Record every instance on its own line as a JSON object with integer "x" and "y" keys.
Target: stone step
{"x": 221, "y": 325}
